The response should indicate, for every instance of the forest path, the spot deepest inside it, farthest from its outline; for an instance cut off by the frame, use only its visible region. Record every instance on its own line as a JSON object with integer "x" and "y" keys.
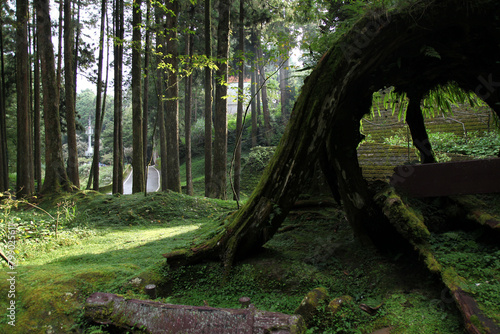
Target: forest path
{"x": 153, "y": 182}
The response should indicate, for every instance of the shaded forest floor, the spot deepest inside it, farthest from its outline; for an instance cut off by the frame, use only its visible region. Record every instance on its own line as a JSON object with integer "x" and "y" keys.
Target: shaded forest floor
{"x": 114, "y": 244}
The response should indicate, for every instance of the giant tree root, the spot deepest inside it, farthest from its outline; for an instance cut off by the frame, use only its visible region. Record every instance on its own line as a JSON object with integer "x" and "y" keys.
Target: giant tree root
{"x": 477, "y": 211}
{"x": 142, "y": 316}
{"x": 411, "y": 226}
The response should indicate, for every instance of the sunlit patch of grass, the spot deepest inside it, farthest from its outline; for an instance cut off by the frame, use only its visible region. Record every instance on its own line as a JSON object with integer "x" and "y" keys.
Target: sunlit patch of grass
{"x": 56, "y": 275}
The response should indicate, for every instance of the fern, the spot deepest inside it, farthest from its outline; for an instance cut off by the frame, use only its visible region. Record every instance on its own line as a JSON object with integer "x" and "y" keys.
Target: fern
{"x": 439, "y": 100}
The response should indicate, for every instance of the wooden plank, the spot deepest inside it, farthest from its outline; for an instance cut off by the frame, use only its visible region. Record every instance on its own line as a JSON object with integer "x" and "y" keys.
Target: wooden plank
{"x": 155, "y": 317}
{"x": 449, "y": 178}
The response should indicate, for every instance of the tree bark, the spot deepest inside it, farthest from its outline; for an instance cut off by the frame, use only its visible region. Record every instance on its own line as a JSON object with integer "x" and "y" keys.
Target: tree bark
{"x": 4, "y": 159}
{"x": 416, "y": 123}
{"x": 72, "y": 166}
{"x": 138, "y": 182}
{"x": 37, "y": 142}
{"x": 241, "y": 99}
{"x": 145, "y": 100}
{"x": 253, "y": 107}
{"x": 156, "y": 317}
{"x": 187, "y": 117}
{"x": 60, "y": 46}
{"x": 208, "y": 99}
{"x": 172, "y": 103}
{"x": 219, "y": 177}
{"x": 268, "y": 131}
{"x": 56, "y": 178}
{"x": 160, "y": 89}
{"x": 25, "y": 179}
{"x": 284, "y": 87}
{"x": 117, "y": 108}
{"x": 94, "y": 175}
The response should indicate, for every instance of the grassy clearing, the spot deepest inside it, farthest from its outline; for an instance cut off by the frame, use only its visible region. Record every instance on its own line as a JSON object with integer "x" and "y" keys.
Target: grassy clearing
{"x": 114, "y": 244}
{"x": 120, "y": 252}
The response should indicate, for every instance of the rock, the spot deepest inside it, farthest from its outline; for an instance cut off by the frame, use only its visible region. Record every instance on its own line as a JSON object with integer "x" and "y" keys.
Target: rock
{"x": 308, "y": 308}
{"x": 337, "y": 304}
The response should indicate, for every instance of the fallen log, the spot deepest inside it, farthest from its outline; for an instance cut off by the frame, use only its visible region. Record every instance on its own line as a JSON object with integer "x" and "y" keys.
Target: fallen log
{"x": 476, "y": 211}
{"x": 146, "y": 316}
{"x": 411, "y": 226}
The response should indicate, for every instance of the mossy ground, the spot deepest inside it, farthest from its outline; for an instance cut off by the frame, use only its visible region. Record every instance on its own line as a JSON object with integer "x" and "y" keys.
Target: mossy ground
{"x": 314, "y": 248}
{"x": 115, "y": 244}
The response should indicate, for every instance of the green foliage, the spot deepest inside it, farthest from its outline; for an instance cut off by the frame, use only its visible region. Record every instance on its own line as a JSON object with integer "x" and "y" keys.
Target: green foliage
{"x": 477, "y": 262}
{"x": 259, "y": 157}
{"x": 439, "y": 100}
{"x": 476, "y": 144}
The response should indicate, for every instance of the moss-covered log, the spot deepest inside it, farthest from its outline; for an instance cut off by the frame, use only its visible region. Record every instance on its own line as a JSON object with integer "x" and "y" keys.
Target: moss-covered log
{"x": 411, "y": 226}
{"x": 384, "y": 48}
{"x": 144, "y": 316}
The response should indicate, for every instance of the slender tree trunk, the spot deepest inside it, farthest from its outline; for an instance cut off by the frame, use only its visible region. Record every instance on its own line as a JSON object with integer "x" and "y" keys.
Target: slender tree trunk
{"x": 25, "y": 180}
{"x": 160, "y": 88}
{"x": 253, "y": 108}
{"x": 94, "y": 175}
{"x": 56, "y": 178}
{"x": 60, "y": 45}
{"x": 172, "y": 103}
{"x": 208, "y": 99}
{"x": 219, "y": 177}
{"x": 117, "y": 108}
{"x": 138, "y": 184}
{"x": 416, "y": 123}
{"x": 77, "y": 45}
{"x": 72, "y": 168}
{"x": 146, "y": 92}
{"x": 268, "y": 131}
{"x": 241, "y": 99}
{"x": 37, "y": 143}
{"x": 284, "y": 87}
{"x": 106, "y": 81}
{"x": 4, "y": 163}
{"x": 187, "y": 119}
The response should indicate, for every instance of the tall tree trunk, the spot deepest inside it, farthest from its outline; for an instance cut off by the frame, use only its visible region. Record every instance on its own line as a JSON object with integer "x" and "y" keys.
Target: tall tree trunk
{"x": 416, "y": 123}
{"x": 160, "y": 87}
{"x": 208, "y": 99}
{"x": 268, "y": 131}
{"x": 60, "y": 45}
{"x": 253, "y": 108}
{"x": 187, "y": 117}
{"x": 72, "y": 168}
{"x": 77, "y": 46}
{"x": 219, "y": 177}
{"x": 56, "y": 178}
{"x": 284, "y": 87}
{"x": 138, "y": 182}
{"x": 117, "y": 108}
{"x": 4, "y": 159}
{"x": 172, "y": 103}
{"x": 37, "y": 143}
{"x": 146, "y": 91}
{"x": 25, "y": 180}
{"x": 239, "y": 115}
{"x": 94, "y": 175}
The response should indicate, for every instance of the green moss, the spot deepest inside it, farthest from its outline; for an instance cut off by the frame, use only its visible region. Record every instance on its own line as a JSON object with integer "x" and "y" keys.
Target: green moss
{"x": 404, "y": 218}
{"x": 479, "y": 325}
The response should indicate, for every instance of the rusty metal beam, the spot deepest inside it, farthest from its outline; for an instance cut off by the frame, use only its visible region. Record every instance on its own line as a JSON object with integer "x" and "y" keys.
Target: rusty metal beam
{"x": 449, "y": 178}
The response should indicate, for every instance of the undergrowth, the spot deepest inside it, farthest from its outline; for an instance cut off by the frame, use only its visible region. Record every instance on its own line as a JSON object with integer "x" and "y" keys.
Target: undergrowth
{"x": 475, "y": 144}
{"x": 114, "y": 244}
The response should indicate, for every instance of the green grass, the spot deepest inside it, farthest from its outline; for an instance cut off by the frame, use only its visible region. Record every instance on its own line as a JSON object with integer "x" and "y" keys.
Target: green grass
{"x": 113, "y": 243}
{"x": 55, "y": 276}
